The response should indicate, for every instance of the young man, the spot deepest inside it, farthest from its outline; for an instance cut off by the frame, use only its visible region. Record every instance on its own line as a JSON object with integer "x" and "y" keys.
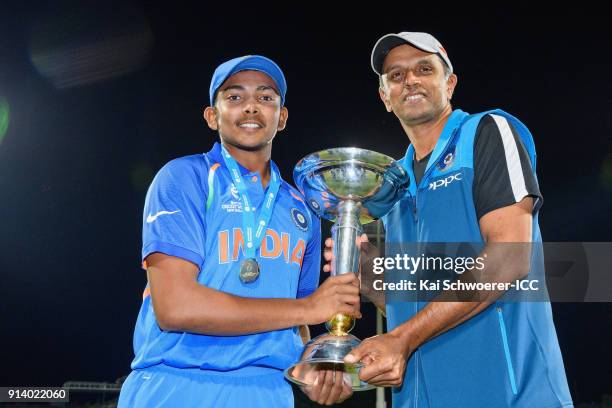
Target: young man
{"x": 472, "y": 180}
{"x": 232, "y": 255}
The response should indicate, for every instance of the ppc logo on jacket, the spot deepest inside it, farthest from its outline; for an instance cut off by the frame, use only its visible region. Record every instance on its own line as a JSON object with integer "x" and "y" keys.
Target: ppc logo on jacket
{"x": 445, "y": 181}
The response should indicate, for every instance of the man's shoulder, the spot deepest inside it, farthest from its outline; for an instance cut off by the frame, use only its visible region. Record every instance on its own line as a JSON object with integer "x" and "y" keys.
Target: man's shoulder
{"x": 191, "y": 165}
{"x": 486, "y": 118}
{"x": 183, "y": 172}
{"x": 289, "y": 189}
{"x": 293, "y": 193}
{"x": 185, "y": 162}
{"x": 298, "y": 200}
{"x": 493, "y": 119}
{"x": 490, "y": 123}
{"x": 486, "y": 124}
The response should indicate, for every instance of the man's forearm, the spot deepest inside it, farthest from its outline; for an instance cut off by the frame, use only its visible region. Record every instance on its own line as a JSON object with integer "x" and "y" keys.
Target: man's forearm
{"x": 505, "y": 263}
{"x": 182, "y": 304}
{"x": 435, "y": 319}
{"x": 207, "y": 311}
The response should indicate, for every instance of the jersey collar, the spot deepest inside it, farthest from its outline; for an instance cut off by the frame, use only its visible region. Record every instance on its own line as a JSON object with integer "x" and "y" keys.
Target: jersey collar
{"x": 215, "y": 155}
{"x": 454, "y": 121}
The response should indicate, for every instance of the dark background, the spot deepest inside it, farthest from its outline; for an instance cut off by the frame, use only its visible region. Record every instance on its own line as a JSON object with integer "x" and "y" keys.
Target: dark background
{"x": 99, "y": 96}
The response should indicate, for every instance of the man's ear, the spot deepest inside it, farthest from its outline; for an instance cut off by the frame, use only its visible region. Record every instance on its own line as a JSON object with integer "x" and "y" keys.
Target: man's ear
{"x": 451, "y": 83}
{"x": 385, "y": 99}
{"x": 282, "y": 119}
{"x": 210, "y": 116}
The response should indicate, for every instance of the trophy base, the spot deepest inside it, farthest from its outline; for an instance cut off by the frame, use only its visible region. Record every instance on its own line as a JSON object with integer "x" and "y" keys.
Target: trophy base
{"x": 326, "y": 353}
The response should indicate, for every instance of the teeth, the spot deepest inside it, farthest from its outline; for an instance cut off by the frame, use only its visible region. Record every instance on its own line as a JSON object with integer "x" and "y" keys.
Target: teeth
{"x": 250, "y": 125}
{"x": 414, "y": 97}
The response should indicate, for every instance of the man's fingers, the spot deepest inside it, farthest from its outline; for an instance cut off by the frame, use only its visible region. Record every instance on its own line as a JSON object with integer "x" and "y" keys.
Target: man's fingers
{"x": 350, "y": 299}
{"x": 357, "y": 354}
{"x": 348, "y": 278}
{"x": 347, "y": 391}
{"x": 382, "y": 384}
{"x": 336, "y": 390}
{"x": 351, "y": 311}
{"x": 377, "y": 367}
{"x": 338, "y": 280}
{"x": 386, "y": 379}
{"x": 367, "y": 360}
{"x": 327, "y": 384}
{"x": 329, "y": 243}
{"x": 348, "y": 290}
{"x": 362, "y": 239}
{"x": 330, "y": 387}
{"x": 328, "y": 255}
{"x": 313, "y": 391}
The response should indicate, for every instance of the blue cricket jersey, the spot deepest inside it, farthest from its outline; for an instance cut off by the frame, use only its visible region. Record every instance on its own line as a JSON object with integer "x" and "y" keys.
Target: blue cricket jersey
{"x": 507, "y": 355}
{"x": 193, "y": 211}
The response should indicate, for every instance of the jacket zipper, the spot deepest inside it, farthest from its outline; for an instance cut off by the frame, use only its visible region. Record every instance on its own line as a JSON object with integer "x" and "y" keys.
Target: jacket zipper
{"x": 414, "y": 209}
{"x": 504, "y": 335}
{"x": 415, "y": 199}
{"x": 415, "y": 202}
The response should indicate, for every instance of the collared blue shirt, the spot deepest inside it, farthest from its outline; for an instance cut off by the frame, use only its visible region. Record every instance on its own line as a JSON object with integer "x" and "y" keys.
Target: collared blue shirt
{"x": 192, "y": 211}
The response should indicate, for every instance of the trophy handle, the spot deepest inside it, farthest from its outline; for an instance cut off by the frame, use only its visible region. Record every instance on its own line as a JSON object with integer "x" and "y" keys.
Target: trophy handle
{"x": 346, "y": 257}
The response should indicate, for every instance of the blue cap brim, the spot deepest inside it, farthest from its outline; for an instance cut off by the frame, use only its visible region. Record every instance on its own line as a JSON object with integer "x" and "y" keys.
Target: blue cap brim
{"x": 248, "y": 63}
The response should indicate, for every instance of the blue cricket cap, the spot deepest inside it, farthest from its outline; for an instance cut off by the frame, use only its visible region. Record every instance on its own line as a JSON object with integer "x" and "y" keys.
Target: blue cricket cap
{"x": 248, "y": 63}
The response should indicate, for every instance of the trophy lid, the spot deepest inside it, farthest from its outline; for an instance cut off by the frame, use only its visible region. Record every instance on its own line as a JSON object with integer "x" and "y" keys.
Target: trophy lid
{"x": 328, "y": 177}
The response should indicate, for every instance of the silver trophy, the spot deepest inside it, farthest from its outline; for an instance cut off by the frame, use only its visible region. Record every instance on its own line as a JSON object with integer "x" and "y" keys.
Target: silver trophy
{"x": 350, "y": 187}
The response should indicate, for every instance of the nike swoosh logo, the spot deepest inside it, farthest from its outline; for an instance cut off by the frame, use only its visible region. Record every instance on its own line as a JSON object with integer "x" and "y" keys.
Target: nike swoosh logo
{"x": 151, "y": 218}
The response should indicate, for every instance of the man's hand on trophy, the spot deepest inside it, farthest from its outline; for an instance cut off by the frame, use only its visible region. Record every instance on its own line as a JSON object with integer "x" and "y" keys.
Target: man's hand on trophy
{"x": 337, "y": 294}
{"x": 365, "y": 274}
{"x": 384, "y": 358}
{"x": 329, "y": 387}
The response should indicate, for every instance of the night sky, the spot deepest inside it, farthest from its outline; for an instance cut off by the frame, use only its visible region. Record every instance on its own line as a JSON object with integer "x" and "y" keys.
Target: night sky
{"x": 95, "y": 99}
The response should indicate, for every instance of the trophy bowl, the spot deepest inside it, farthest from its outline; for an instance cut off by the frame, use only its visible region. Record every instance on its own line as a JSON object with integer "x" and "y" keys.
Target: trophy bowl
{"x": 350, "y": 187}
{"x": 328, "y": 177}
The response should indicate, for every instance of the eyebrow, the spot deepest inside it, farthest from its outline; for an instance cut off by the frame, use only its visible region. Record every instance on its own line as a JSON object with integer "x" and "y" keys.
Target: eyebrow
{"x": 426, "y": 60}
{"x": 242, "y": 88}
{"x": 266, "y": 88}
{"x": 238, "y": 87}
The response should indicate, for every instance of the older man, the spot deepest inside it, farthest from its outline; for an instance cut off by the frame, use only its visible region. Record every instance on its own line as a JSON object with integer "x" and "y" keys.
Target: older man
{"x": 473, "y": 180}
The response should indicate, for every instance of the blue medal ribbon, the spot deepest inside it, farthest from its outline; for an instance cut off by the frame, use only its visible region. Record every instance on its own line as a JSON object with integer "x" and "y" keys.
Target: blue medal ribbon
{"x": 254, "y": 239}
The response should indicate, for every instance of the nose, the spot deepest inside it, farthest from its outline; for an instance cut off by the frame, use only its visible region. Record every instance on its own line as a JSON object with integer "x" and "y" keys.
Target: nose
{"x": 251, "y": 106}
{"x": 411, "y": 79}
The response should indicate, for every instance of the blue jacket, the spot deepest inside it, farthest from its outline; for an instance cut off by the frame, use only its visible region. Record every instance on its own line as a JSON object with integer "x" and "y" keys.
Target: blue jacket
{"x": 507, "y": 355}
